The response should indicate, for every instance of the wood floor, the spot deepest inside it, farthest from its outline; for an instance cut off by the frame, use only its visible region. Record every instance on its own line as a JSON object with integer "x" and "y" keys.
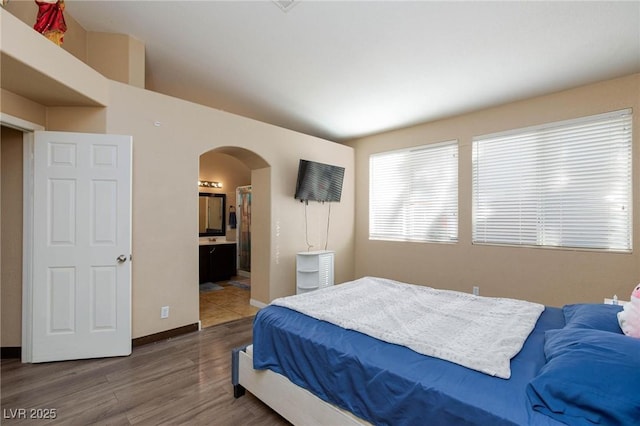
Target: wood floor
{"x": 227, "y": 304}
{"x": 184, "y": 380}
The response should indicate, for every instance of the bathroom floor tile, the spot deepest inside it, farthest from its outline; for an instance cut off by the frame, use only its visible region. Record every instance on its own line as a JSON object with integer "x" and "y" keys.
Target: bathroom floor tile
{"x": 228, "y": 304}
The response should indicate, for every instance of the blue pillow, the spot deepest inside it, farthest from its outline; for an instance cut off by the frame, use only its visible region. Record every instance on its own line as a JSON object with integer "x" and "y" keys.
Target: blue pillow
{"x": 591, "y": 377}
{"x": 595, "y": 316}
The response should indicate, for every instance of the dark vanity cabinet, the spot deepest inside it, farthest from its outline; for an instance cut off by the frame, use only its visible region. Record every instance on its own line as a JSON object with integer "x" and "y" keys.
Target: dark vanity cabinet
{"x": 217, "y": 262}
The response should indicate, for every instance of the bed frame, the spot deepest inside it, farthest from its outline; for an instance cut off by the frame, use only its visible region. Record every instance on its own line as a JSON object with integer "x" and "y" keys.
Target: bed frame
{"x": 297, "y": 405}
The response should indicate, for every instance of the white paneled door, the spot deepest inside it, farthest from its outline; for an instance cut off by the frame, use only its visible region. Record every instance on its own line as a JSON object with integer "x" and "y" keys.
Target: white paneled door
{"x": 80, "y": 293}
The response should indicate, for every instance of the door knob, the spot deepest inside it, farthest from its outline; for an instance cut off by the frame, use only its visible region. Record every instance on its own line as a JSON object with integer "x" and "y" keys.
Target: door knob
{"x": 122, "y": 258}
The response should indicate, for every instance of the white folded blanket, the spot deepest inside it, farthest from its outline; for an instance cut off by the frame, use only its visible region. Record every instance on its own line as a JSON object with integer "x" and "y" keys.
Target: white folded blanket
{"x": 481, "y": 333}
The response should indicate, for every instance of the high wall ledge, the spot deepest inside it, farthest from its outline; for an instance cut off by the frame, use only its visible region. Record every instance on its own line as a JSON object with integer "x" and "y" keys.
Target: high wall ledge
{"x": 35, "y": 68}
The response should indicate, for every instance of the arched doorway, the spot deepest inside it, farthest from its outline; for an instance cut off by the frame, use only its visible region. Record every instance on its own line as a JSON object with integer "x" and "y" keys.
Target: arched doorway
{"x": 230, "y": 298}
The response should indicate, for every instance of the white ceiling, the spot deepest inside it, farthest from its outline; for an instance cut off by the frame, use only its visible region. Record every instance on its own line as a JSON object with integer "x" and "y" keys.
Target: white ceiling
{"x": 343, "y": 69}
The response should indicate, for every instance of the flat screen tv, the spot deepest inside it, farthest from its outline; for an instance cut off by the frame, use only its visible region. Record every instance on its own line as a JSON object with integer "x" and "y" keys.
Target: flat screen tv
{"x": 319, "y": 181}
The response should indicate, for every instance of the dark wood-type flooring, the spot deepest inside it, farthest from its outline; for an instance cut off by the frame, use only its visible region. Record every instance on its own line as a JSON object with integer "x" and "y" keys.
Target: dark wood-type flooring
{"x": 184, "y": 380}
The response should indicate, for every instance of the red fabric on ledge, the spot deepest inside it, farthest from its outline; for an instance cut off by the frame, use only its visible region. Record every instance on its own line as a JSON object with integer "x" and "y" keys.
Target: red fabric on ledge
{"x": 50, "y": 17}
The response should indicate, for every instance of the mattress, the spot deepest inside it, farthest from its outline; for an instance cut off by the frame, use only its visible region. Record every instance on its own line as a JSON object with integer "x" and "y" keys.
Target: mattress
{"x": 389, "y": 384}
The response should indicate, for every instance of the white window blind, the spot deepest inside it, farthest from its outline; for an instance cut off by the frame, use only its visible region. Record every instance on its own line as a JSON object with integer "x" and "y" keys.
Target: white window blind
{"x": 566, "y": 184}
{"x": 413, "y": 194}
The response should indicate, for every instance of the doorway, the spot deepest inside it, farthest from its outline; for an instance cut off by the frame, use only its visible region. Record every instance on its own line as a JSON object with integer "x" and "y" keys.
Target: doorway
{"x": 227, "y": 299}
{"x": 22, "y": 292}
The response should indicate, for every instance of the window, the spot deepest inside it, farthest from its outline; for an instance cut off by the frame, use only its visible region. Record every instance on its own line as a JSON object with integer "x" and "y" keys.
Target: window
{"x": 413, "y": 194}
{"x": 565, "y": 184}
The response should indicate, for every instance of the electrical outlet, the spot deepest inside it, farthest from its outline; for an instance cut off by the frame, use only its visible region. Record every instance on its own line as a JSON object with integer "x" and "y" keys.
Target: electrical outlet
{"x": 476, "y": 290}
{"x": 164, "y": 312}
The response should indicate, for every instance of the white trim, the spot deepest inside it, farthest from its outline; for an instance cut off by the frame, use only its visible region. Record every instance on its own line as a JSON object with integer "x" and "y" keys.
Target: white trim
{"x": 18, "y": 123}
{"x": 27, "y": 247}
{"x": 257, "y": 304}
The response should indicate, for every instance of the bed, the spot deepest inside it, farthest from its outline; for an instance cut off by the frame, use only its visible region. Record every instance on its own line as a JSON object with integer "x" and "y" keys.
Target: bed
{"x": 575, "y": 367}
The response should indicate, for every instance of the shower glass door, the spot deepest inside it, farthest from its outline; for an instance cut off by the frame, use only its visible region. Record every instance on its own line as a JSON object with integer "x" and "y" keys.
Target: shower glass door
{"x": 243, "y": 197}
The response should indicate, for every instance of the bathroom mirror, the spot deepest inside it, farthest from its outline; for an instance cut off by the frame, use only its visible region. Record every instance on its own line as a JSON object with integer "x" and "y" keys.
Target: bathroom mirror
{"x": 211, "y": 217}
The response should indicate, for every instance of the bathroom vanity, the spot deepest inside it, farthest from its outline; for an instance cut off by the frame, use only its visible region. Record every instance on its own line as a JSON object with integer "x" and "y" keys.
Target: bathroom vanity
{"x": 217, "y": 260}
{"x": 217, "y": 255}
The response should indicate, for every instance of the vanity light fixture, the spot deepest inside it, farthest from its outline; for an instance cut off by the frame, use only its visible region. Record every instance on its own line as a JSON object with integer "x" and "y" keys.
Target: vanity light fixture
{"x": 209, "y": 184}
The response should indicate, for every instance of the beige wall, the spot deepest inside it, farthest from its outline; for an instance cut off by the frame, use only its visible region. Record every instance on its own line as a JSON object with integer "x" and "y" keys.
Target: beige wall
{"x": 11, "y": 236}
{"x": 261, "y": 226}
{"x": 550, "y": 276}
{"x": 169, "y": 137}
{"x": 17, "y": 106}
{"x": 77, "y": 119}
{"x": 117, "y": 57}
{"x": 165, "y": 173}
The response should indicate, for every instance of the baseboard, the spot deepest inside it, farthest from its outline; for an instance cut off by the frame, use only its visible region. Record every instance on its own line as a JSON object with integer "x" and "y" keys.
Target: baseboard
{"x": 8, "y": 352}
{"x": 257, "y": 303}
{"x": 163, "y": 335}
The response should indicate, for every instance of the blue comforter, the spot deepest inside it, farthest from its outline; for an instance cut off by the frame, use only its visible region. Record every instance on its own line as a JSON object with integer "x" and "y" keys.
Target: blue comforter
{"x": 388, "y": 384}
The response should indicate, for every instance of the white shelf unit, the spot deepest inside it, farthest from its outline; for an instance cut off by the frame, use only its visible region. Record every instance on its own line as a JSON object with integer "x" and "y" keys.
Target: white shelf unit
{"x": 314, "y": 270}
